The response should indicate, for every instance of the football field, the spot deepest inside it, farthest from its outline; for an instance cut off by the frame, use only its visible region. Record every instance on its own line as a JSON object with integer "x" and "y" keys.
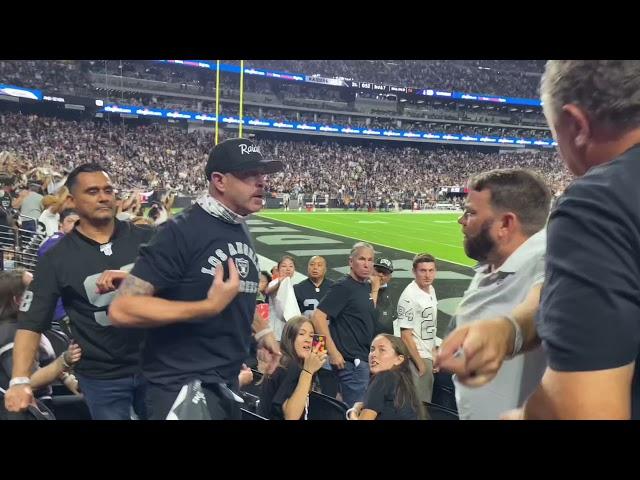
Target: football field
{"x": 436, "y": 233}
{"x": 397, "y": 236}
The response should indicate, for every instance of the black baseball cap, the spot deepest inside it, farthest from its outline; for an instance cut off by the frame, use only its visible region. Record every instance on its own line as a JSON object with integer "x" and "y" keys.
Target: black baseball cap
{"x": 385, "y": 264}
{"x": 237, "y": 155}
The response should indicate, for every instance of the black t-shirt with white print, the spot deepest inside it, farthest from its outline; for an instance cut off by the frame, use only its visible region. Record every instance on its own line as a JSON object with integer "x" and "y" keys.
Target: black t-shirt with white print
{"x": 69, "y": 271}
{"x": 180, "y": 263}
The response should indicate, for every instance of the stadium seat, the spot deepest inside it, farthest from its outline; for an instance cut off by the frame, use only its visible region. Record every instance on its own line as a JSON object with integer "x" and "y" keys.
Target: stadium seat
{"x": 34, "y": 412}
{"x": 5, "y": 377}
{"x": 70, "y": 407}
{"x": 59, "y": 389}
{"x": 62, "y": 326}
{"x": 444, "y": 392}
{"x": 327, "y": 382}
{"x": 323, "y": 407}
{"x": 64, "y": 404}
{"x": 251, "y": 401}
{"x": 247, "y": 415}
{"x": 256, "y": 386}
{"x": 59, "y": 341}
{"x": 436, "y": 412}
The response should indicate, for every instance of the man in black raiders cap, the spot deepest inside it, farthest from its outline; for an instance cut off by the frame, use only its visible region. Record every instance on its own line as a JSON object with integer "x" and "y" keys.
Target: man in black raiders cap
{"x": 199, "y": 331}
{"x": 385, "y": 306}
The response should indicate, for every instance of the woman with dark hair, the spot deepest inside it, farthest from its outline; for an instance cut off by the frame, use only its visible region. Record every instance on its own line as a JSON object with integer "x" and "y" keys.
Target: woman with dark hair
{"x": 12, "y": 287}
{"x": 391, "y": 394}
{"x": 285, "y": 393}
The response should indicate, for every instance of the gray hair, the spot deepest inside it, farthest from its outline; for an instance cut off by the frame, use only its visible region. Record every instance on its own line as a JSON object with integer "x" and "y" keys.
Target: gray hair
{"x": 609, "y": 90}
{"x": 316, "y": 257}
{"x": 516, "y": 190}
{"x": 358, "y": 246}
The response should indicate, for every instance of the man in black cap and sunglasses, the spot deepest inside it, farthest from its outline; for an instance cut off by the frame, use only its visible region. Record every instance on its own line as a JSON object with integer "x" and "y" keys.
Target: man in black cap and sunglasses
{"x": 385, "y": 306}
{"x": 194, "y": 288}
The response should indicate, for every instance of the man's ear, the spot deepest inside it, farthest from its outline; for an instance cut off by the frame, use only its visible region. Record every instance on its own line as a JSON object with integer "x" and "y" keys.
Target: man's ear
{"x": 578, "y": 125}
{"x": 508, "y": 221}
{"x": 71, "y": 200}
{"x": 218, "y": 180}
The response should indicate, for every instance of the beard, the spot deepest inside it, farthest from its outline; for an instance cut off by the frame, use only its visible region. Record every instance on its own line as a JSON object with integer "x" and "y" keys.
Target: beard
{"x": 479, "y": 246}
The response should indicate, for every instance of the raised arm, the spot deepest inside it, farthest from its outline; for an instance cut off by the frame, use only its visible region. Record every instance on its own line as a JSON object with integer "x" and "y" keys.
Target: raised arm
{"x": 321, "y": 325}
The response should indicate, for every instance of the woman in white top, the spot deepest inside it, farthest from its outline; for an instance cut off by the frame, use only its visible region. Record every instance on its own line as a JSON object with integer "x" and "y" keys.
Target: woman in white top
{"x": 282, "y": 305}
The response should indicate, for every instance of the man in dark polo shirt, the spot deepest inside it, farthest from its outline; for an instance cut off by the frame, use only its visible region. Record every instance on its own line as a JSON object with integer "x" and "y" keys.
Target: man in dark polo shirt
{"x": 350, "y": 307}
{"x": 589, "y": 313}
{"x": 589, "y": 316}
{"x": 199, "y": 330}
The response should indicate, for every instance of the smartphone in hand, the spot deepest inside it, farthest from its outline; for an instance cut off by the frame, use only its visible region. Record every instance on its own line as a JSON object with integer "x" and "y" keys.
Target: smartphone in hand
{"x": 320, "y": 340}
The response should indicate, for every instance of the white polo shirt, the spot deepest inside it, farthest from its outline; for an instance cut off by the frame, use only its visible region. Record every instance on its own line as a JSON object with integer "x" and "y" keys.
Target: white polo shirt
{"x": 418, "y": 310}
{"x": 492, "y": 294}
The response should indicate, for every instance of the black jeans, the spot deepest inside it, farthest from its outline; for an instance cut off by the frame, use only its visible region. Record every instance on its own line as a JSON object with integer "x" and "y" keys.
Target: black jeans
{"x": 160, "y": 398}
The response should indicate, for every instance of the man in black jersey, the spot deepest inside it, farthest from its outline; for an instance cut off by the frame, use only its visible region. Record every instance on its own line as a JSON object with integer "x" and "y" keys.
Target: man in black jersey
{"x": 200, "y": 330}
{"x": 83, "y": 269}
{"x": 309, "y": 292}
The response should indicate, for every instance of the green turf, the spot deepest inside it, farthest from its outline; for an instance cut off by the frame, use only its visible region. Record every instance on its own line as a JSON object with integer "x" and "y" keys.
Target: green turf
{"x": 174, "y": 211}
{"x": 437, "y": 233}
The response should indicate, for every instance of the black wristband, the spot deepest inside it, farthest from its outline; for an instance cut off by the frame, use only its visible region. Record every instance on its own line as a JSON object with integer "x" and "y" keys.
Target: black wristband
{"x": 305, "y": 370}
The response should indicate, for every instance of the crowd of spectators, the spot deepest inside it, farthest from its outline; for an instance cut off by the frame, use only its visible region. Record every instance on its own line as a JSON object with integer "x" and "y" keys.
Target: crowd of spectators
{"x": 54, "y": 76}
{"x": 143, "y": 157}
{"x": 162, "y": 156}
{"x": 396, "y": 172}
{"x": 281, "y": 115}
{"x": 75, "y": 77}
{"x": 512, "y": 78}
{"x": 458, "y": 111}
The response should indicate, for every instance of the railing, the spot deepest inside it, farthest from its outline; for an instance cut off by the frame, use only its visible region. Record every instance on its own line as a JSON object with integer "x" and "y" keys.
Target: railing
{"x": 18, "y": 248}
